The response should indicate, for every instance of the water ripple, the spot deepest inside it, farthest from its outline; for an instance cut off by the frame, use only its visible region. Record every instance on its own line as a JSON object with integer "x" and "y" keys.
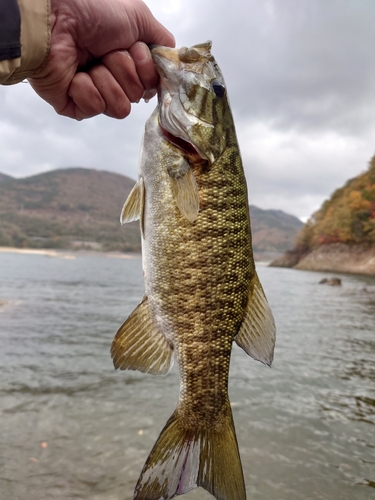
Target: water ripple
{"x": 305, "y": 427}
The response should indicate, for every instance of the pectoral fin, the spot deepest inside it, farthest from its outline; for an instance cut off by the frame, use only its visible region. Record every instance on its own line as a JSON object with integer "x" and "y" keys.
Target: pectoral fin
{"x": 140, "y": 345}
{"x": 133, "y": 206}
{"x": 185, "y": 189}
{"x": 258, "y": 332}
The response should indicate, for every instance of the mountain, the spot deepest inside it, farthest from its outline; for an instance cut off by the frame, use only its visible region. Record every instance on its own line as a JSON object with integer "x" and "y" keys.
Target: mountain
{"x": 273, "y": 230}
{"x": 340, "y": 236}
{"x": 67, "y": 208}
{"x": 4, "y": 177}
{"x": 80, "y": 208}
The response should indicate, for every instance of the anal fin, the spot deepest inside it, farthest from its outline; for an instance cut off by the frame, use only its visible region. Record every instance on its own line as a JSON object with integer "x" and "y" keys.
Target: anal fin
{"x": 257, "y": 334}
{"x": 140, "y": 345}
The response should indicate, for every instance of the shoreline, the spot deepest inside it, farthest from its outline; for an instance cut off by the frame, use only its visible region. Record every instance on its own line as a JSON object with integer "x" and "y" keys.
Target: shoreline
{"x": 261, "y": 259}
{"x": 67, "y": 254}
{"x": 332, "y": 258}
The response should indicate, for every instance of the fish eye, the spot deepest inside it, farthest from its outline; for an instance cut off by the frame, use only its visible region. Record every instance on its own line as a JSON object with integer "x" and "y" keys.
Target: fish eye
{"x": 218, "y": 88}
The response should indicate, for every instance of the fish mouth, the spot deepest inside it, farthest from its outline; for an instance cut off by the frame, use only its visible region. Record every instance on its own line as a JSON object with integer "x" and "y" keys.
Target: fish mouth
{"x": 186, "y": 147}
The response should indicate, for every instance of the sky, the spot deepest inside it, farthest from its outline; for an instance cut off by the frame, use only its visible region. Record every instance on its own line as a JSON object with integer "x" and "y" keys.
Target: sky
{"x": 300, "y": 76}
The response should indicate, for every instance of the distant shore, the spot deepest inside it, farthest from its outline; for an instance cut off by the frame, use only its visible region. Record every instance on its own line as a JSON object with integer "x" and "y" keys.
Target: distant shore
{"x": 335, "y": 257}
{"x": 262, "y": 258}
{"x": 67, "y": 254}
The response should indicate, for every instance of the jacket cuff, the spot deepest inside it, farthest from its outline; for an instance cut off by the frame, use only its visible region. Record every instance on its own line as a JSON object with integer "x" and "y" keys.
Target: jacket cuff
{"x": 35, "y": 42}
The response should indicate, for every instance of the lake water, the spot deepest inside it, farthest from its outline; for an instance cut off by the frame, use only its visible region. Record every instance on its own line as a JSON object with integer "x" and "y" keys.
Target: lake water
{"x": 72, "y": 428}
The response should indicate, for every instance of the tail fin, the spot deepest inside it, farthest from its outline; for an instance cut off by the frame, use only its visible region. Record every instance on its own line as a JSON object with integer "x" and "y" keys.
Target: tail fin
{"x": 183, "y": 459}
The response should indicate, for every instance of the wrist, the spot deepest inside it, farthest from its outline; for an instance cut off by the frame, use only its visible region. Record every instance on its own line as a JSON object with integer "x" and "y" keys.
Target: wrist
{"x": 35, "y": 38}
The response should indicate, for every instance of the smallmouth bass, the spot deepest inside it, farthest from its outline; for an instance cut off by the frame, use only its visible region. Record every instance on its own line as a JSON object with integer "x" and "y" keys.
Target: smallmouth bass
{"x": 202, "y": 291}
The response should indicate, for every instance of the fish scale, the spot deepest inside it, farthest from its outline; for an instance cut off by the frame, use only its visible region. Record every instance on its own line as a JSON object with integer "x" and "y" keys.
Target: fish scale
{"x": 201, "y": 287}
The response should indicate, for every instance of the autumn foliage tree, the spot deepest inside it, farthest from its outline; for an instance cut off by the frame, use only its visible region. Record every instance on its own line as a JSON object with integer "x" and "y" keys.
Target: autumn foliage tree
{"x": 347, "y": 217}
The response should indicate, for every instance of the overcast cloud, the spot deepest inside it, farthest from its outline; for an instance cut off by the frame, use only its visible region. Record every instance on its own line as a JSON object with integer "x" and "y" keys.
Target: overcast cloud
{"x": 301, "y": 81}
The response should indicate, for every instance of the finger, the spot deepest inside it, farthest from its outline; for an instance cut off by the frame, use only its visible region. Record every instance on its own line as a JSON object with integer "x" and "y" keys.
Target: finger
{"x": 145, "y": 67}
{"x": 85, "y": 96}
{"x": 122, "y": 67}
{"x": 117, "y": 104}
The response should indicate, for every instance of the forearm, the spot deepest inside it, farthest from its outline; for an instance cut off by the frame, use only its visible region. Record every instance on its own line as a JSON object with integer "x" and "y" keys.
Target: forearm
{"x": 35, "y": 37}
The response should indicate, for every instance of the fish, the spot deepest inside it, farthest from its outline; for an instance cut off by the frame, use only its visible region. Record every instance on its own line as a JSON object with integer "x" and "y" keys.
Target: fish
{"x": 202, "y": 291}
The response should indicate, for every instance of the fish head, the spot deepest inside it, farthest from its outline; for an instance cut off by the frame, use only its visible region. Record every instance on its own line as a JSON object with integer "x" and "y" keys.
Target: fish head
{"x": 193, "y": 104}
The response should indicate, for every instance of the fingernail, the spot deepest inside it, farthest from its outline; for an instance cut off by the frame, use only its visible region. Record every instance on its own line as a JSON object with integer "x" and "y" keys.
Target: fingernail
{"x": 149, "y": 94}
{"x": 123, "y": 52}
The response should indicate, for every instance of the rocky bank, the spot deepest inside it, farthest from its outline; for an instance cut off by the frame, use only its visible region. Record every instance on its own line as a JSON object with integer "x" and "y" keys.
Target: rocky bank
{"x": 334, "y": 257}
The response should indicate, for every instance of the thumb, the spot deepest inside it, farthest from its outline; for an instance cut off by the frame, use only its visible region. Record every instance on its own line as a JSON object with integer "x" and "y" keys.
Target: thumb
{"x": 151, "y": 31}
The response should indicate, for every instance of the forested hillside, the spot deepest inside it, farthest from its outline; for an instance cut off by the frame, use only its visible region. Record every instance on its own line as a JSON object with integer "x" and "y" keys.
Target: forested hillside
{"x": 67, "y": 208}
{"x": 340, "y": 237}
{"x": 348, "y": 216}
{"x": 80, "y": 208}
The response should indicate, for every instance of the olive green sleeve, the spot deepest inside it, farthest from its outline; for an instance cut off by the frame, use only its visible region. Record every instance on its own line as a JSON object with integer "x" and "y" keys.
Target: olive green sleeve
{"x": 35, "y": 42}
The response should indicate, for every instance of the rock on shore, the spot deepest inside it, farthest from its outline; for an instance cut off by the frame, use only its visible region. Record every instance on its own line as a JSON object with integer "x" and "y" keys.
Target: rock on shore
{"x": 335, "y": 257}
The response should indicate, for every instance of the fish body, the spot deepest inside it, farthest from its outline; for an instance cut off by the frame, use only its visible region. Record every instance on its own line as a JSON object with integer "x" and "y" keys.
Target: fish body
{"x": 202, "y": 291}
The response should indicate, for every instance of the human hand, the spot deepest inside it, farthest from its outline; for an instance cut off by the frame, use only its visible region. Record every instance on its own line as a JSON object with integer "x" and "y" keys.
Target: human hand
{"x": 99, "y": 61}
